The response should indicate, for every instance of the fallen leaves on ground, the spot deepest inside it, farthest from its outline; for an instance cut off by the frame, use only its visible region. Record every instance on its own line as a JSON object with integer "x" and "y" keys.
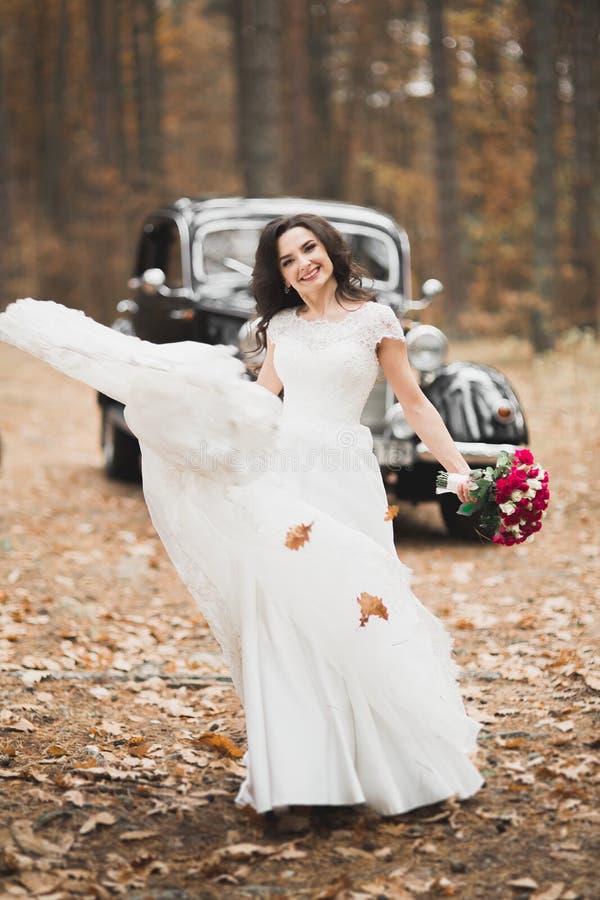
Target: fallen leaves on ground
{"x": 109, "y": 677}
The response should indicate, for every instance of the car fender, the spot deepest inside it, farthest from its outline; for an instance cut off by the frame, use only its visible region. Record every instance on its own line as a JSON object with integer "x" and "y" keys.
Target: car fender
{"x": 467, "y": 396}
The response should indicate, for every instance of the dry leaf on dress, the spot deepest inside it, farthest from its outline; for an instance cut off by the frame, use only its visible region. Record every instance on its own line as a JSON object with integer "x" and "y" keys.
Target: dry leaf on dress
{"x": 220, "y": 743}
{"x": 370, "y": 606}
{"x": 297, "y": 536}
{"x": 392, "y": 512}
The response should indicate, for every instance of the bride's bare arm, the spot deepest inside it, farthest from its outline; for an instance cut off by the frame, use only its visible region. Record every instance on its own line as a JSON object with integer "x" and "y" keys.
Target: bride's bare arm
{"x": 268, "y": 377}
{"x": 420, "y": 414}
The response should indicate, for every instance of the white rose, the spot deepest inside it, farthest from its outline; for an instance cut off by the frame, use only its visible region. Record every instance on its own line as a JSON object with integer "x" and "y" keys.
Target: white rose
{"x": 516, "y": 495}
{"x": 508, "y": 508}
{"x": 534, "y": 484}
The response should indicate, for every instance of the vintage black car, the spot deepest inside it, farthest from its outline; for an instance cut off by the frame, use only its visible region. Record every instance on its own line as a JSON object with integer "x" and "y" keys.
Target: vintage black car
{"x": 191, "y": 282}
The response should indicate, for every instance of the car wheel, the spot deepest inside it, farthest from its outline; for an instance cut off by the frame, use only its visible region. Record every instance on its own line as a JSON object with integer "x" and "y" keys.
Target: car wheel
{"x": 121, "y": 452}
{"x": 466, "y": 528}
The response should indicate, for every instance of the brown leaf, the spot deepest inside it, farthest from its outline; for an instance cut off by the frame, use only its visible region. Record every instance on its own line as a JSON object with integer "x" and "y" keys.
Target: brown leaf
{"x": 40, "y": 883}
{"x": 246, "y": 850}
{"x": 74, "y": 796}
{"x": 370, "y": 606}
{"x": 392, "y": 512}
{"x": 114, "y": 729}
{"x": 552, "y": 892}
{"x": 334, "y": 889}
{"x": 297, "y": 536}
{"x": 136, "y": 835}
{"x": 384, "y": 888}
{"x": 138, "y": 750}
{"x": 443, "y": 886}
{"x": 220, "y": 743}
{"x": 592, "y": 679}
{"x": 525, "y": 883}
{"x": 289, "y": 851}
{"x": 23, "y": 835}
{"x": 101, "y": 818}
{"x": 55, "y": 750}
{"x": 20, "y": 725}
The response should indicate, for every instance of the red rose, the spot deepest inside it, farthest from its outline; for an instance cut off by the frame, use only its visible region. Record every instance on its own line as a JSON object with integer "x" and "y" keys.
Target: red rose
{"x": 524, "y": 456}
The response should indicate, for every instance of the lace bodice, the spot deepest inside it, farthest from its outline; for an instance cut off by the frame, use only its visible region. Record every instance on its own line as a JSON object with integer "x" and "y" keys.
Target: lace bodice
{"x": 329, "y": 368}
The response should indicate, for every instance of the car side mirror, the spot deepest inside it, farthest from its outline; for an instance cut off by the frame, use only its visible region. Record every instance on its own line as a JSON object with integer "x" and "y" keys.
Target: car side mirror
{"x": 151, "y": 281}
{"x": 431, "y": 288}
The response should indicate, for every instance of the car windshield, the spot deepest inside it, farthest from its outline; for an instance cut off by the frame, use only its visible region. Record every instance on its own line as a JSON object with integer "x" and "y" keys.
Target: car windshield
{"x": 224, "y": 250}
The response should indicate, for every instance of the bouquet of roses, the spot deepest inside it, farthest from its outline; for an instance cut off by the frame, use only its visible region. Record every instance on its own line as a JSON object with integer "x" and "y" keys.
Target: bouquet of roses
{"x": 511, "y": 499}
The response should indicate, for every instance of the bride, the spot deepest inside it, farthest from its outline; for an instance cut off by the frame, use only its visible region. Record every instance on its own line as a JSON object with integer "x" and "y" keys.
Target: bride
{"x": 275, "y": 517}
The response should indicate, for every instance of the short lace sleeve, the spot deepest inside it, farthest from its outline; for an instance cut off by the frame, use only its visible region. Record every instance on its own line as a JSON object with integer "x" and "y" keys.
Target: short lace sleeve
{"x": 386, "y": 325}
{"x": 277, "y": 325}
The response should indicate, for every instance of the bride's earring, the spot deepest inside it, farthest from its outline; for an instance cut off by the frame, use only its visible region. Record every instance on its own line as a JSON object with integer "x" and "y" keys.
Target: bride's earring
{"x": 287, "y": 288}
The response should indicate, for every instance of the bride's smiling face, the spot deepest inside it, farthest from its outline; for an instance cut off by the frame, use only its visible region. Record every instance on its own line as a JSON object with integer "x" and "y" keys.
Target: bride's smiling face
{"x": 303, "y": 260}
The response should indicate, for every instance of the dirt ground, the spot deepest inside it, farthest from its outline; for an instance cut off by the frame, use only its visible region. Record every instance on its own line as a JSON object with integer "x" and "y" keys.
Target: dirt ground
{"x": 110, "y": 679}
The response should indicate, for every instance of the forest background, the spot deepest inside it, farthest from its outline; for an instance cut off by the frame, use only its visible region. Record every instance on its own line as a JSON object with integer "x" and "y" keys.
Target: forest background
{"x": 475, "y": 124}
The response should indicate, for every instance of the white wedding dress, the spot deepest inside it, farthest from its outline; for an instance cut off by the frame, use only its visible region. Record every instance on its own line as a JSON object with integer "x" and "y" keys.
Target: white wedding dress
{"x": 336, "y": 712}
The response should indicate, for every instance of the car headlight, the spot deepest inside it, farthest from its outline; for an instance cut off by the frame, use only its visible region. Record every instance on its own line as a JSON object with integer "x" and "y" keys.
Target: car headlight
{"x": 399, "y": 427}
{"x": 427, "y": 347}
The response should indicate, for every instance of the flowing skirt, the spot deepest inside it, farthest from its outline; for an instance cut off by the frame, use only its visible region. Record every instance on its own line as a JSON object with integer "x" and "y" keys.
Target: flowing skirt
{"x": 348, "y": 683}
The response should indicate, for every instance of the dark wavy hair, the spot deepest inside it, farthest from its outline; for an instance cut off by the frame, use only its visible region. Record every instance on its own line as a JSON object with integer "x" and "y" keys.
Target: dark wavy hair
{"x": 267, "y": 282}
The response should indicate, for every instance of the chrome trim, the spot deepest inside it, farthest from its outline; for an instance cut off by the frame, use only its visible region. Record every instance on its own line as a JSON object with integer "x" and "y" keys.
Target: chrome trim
{"x": 474, "y": 452}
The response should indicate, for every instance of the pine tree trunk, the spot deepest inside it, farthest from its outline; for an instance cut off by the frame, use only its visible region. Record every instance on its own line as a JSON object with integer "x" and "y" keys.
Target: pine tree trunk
{"x": 545, "y": 237}
{"x": 155, "y": 85}
{"x": 585, "y": 175}
{"x": 115, "y": 68}
{"x": 99, "y": 77}
{"x": 450, "y": 239}
{"x": 299, "y": 127}
{"x": 6, "y": 218}
{"x": 140, "y": 92}
{"x": 330, "y": 149}
{"x": 56, "y": 196}
{"x": 257, "y": 41}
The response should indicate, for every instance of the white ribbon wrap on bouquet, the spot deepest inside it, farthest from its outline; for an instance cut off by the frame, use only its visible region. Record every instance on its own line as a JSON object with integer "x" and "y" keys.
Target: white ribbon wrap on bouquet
{"x": 455, "y": 479}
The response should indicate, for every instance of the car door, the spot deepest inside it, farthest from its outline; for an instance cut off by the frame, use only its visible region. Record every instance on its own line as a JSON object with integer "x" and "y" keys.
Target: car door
{"x": 165, "y": 312}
